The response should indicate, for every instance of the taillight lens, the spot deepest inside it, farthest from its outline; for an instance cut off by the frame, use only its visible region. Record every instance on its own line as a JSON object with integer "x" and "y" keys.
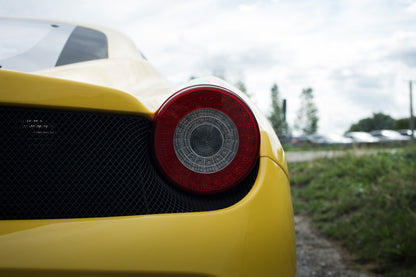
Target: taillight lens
{"x": 205, "y": 139}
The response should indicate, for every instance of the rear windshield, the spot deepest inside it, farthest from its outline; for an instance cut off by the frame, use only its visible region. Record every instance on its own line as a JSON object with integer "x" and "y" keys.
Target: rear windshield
{"x": 31, "y": 45}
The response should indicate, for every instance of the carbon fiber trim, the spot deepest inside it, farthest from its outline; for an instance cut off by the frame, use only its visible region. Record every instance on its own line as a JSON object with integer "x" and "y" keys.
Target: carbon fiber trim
{"x": 65, "y": 164}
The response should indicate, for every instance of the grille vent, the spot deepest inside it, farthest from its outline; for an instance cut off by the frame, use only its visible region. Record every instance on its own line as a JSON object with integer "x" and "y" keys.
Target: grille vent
{"x": 66, "y": 164}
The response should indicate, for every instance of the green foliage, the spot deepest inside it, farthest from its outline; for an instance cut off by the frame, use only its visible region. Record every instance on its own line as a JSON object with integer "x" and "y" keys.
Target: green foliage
{"x": 307, "y": 116}
{"x": 368, "y": 203}
{"x": 379, "y": 121}
{"x": 276, "y": 117}
{"x": 402, "y": 123}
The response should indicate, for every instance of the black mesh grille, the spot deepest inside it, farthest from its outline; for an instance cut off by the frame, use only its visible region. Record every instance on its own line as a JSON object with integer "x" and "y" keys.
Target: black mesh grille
{"x": 64, "y": 164}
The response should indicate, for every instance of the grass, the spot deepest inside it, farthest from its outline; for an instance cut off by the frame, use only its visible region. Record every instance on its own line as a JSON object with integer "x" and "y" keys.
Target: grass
{"x": 308, "y": 147}
{"x": 367, "y": 203}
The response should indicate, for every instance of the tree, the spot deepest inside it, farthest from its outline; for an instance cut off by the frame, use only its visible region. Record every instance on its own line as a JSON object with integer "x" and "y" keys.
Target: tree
{"x": 379, "y": 121}
{"x": 307, "y": 116}
{"x": 276, "y": 116}
{"x": 402, "y": 123}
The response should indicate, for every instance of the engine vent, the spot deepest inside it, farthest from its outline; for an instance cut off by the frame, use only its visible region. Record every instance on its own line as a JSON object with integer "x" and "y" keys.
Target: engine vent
{"x": 66, "y": 164}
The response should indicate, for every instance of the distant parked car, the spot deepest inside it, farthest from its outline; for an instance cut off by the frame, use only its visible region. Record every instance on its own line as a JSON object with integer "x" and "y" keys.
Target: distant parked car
{"x": 362, "y": 137}
{"x": 331, "y": 139}
{"x": 389, "y": 136}
{"x": 340, "y": 140}
{"x": 300, "y": 141}
{"x": 405, "y": 132}
{"x": 318, "y": 140}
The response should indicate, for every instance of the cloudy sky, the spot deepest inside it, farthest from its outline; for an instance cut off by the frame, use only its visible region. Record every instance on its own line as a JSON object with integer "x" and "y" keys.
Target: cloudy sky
{"x": 355, "y": 54}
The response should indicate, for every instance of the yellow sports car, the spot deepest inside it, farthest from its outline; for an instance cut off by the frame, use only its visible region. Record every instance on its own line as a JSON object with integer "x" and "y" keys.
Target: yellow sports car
{"x": 107, "y": 169}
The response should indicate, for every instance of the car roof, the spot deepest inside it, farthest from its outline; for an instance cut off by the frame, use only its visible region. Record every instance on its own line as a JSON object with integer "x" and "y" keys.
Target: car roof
{"x": 29, "y": 45}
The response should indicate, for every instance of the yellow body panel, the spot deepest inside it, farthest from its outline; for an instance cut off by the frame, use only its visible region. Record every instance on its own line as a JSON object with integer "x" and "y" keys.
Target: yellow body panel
{"x": 255, "y": 237}
{"x": 22, "y": 89}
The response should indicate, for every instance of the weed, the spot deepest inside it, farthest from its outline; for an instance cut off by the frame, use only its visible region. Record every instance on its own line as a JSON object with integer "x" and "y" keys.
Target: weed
{"x": 368, "y": 203}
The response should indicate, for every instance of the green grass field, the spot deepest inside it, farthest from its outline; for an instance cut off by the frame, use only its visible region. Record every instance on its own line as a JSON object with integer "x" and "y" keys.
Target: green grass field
{"x": 367, "y": 203}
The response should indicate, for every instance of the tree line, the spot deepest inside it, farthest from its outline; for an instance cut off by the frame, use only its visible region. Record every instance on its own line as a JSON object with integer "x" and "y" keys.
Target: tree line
{"x": 307, "y": 117}
{"x": 379, "y": 121}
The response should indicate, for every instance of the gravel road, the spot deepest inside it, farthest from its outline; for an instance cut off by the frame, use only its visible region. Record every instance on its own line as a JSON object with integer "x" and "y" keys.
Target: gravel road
{"x": 316, "y": 256}
{"x": 305, "y": 156}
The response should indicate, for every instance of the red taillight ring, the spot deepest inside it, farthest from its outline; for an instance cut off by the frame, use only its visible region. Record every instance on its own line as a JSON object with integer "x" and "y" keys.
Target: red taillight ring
{"x": 205, "y": 139}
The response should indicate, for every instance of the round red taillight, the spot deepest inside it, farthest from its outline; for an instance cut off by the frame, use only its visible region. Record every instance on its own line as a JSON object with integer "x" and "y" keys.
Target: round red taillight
{"x": 205, "y": 139}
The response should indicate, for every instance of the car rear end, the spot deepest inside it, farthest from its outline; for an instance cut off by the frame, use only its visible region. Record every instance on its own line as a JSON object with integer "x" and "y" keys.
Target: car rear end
{"x": 92, "y": 182}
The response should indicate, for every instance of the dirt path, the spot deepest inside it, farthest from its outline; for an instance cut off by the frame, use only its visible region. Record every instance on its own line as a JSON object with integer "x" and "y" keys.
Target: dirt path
{"x": 316, "y": 256}
{"x": 305, "y": 156}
